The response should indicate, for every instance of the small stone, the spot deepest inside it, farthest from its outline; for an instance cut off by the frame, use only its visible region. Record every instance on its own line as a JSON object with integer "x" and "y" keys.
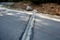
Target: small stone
{"x": 29, "y": 8}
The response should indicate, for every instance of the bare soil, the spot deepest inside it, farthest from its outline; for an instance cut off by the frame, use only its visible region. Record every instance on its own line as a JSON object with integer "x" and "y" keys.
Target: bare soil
{"x": 49, "y": 8}
{"x": 46, "y": 8}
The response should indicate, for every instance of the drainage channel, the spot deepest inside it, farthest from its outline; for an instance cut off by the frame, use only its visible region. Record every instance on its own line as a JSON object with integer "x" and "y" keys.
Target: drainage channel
{"x": 28, "y": 31}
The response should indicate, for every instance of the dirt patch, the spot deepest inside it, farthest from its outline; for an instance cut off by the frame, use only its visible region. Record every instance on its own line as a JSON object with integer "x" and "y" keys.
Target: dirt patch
{"x": 21, "y": 5}
{"x": 46, "y": 8}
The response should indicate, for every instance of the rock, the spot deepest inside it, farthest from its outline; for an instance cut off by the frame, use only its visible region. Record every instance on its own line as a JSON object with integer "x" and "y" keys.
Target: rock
{"x": 29, "y": 8}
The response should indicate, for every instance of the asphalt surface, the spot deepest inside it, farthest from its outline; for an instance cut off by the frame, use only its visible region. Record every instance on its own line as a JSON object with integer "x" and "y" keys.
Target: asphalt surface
{"x": 46, "y": 29}
{"x": 12, "y": 24}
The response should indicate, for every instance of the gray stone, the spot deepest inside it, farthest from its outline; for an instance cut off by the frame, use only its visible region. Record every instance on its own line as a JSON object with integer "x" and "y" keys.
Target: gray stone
{"x": 29, "y": 8}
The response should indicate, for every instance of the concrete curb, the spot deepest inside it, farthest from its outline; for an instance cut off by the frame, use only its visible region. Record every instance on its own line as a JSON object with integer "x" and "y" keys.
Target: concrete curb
{"x": 28, "y": 31}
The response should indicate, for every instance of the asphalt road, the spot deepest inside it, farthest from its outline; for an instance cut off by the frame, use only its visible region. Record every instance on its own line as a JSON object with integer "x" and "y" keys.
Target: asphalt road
{"x": 12, "y": 24}
{"x": 46, "y": 29}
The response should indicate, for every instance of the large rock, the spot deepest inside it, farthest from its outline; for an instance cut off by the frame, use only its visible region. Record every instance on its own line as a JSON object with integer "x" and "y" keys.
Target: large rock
{"x": 29, "y": 8}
